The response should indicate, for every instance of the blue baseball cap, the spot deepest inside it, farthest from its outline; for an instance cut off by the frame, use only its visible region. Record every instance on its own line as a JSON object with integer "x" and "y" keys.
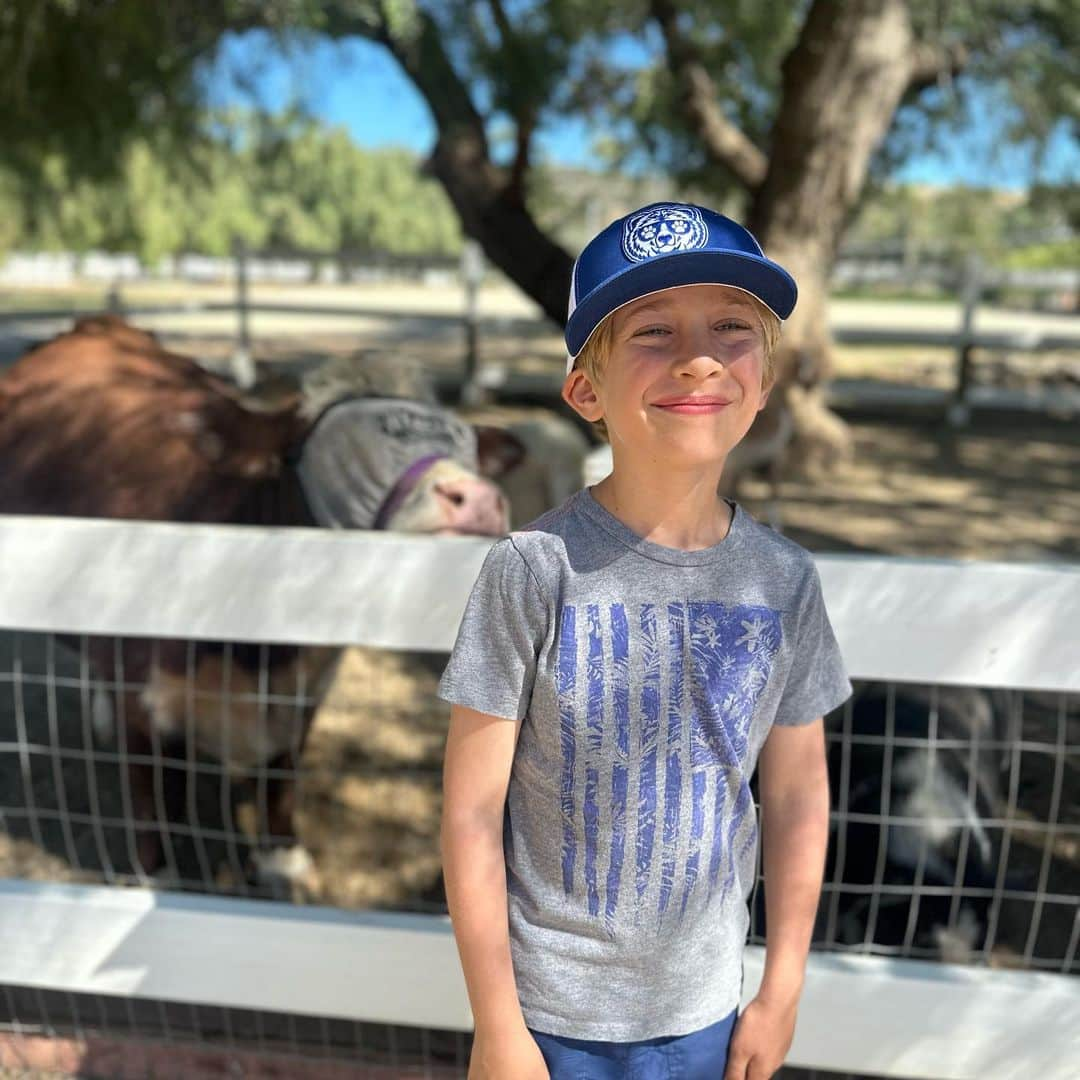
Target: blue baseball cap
{"x": 661, "y": 246}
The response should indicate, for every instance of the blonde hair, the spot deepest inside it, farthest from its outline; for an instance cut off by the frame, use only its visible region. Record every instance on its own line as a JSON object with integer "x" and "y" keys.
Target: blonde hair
{"x": 596, "y": 352}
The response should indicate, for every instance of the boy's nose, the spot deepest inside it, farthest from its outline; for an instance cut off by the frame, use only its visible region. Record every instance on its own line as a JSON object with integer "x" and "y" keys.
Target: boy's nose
{"x": 699, "y": 352}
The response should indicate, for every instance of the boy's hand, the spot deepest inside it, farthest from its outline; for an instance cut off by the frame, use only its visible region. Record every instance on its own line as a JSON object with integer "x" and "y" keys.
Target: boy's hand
{"x": 762, "y": 1037}
{"x": 502, "y": 1055}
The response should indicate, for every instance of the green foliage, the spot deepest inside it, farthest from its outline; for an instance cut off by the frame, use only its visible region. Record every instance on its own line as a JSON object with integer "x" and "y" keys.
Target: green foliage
{"x": 78, "y": 78}
{"x": 742, "y": 51}
{"x": 1050, "y": 256}
{"x": 1005, "y": 229}
{"x": 275, "y": 182}
{"x": 1062, "y": 202}
{"x": 1020, "y": 63}
{"x": 112, "y": 91}
{"x": 529, "y": 61}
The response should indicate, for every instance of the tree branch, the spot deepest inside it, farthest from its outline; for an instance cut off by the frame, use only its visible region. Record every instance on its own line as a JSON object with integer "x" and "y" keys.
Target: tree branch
{"x": 930, "y": 63}
{"x": 725, "y": 143}
{"x": 498, "y": 13}
{"x": 525, "y": 117}
{"x": 524, "y": 127}
{"x": 482, "y": 192}
{"x": 423, "y": 59}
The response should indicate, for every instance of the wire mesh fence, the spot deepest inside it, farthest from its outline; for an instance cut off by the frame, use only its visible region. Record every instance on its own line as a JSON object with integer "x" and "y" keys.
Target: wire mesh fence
{"x": 95, "y": 1035}
{"x": 130, "y": 1039}
{"x": 956, "y": 824}
{"x": 313, "y": 774}
{"x": 116, "y": 769}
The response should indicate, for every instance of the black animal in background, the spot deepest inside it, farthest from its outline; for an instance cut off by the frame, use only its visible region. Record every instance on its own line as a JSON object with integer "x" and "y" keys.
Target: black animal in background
{"x": 913, "y": 804}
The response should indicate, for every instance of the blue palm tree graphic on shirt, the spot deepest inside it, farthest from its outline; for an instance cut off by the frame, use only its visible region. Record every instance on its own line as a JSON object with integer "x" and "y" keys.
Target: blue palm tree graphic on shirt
{"x": 717, "y": 659}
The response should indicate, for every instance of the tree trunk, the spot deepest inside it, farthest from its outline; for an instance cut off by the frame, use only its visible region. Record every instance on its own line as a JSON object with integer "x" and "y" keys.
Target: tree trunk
{"x": 842, "y": 84}
{"x": 486, "y": 196}
{"x": 493, "y": 215}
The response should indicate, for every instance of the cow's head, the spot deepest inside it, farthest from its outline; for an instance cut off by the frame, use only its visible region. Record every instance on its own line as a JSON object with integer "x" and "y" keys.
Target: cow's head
{"x": 405, "y": 465}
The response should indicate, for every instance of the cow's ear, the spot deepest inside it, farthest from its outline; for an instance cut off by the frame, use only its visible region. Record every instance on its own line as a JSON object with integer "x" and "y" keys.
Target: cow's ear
{"x": 497, "y": 450}
{"x": 273, "y": 395}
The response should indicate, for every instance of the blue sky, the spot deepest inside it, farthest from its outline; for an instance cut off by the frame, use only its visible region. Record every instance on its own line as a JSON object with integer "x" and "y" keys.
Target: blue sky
{"x": 358, "y": 85}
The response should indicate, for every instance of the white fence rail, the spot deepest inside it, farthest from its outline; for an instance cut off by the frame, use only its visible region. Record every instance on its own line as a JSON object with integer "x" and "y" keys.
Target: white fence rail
{"x": 903, "y": 619}
{"x": 948, "y": 621}
{"x": 905, "y": 1018}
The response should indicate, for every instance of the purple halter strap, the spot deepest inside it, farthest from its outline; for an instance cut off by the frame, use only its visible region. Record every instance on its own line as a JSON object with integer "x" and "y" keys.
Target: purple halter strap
{"x": 400, "y": 491}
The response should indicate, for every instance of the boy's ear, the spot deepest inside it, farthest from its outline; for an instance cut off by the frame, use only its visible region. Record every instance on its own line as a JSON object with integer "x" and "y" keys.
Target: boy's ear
{"x": 579, "y": 394}
{"x": 766, "y": 390}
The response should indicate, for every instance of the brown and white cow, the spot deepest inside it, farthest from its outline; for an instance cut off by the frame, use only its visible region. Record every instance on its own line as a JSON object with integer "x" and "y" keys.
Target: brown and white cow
{"x": 103, "y": 421}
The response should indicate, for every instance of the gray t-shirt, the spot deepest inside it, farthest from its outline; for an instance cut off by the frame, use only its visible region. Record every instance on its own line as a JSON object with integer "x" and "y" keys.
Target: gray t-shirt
{"x": 648, "y": 678}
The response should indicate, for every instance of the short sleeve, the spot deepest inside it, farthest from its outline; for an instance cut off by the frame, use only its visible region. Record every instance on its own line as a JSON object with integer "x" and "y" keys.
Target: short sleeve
{"x": 493, "y": 663}
{"x": 817, "y": 680}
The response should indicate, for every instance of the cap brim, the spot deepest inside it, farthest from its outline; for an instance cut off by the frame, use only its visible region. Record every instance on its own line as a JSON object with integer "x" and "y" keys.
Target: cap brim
{"x": 765, "y": 280}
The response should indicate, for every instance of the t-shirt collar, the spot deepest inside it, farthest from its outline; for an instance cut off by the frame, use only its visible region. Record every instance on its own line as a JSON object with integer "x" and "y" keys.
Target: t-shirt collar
{"x": 597, "y": 512}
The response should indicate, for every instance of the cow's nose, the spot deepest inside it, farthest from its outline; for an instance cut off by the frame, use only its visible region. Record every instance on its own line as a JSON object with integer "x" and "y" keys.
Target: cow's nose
{"x": 473, "y": 505}
{"x": 452, "y": 493}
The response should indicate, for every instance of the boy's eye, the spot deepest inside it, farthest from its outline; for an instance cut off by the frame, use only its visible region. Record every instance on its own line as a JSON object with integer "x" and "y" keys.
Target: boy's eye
{"x": 658, "y": 331}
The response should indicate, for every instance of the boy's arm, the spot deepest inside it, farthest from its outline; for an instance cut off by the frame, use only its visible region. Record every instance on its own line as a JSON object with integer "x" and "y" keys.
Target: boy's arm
{"x": 793, "y": 787}
{"x": 476, "y": 773}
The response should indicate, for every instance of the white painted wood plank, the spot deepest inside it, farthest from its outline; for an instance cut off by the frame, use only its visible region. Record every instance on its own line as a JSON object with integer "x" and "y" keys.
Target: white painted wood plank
{"x": 301, "y": 586}
{"x": 948, "y": 621}
{"x": 903, "y": 1018}
{"x": 379, "y": 966}
{"x": 957, "y": 622}
{"x": 912, "y": 1018}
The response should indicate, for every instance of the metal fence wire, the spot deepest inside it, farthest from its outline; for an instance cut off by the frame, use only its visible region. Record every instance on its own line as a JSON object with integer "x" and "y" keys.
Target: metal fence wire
{"x": 49, "y": 1032}
{"x": 135, "y": 1038}
{"x": 119, "y": 767}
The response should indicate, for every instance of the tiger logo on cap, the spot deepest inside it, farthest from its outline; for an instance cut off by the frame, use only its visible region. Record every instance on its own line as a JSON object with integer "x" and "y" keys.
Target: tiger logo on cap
{"x": 663, "y": 229}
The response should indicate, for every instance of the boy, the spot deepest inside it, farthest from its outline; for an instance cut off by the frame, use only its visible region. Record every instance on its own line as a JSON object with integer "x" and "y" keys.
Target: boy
{"x": 652, "y": 643}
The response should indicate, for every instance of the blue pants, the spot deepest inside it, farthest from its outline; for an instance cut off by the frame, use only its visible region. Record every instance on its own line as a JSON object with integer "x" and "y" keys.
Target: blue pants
{"x": 698, "y": 1055}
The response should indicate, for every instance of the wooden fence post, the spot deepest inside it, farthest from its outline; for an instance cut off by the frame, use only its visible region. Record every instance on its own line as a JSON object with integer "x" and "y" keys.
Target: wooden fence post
{"x": 472, "y": 273}
{"x": 114, "y": 298}
{"x": 959, "y": 411}
{"x": 242, "y": 364}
